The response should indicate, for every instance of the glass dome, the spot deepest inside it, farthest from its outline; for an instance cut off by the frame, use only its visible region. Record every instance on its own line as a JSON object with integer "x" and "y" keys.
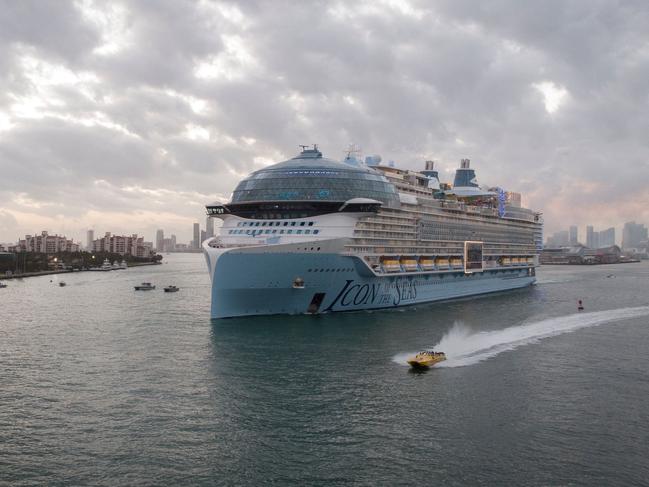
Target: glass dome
{"x": 310, "y": 177}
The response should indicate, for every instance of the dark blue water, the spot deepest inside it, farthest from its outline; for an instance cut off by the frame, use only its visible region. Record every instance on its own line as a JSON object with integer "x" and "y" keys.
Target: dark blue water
{"x": 101, "y": 385}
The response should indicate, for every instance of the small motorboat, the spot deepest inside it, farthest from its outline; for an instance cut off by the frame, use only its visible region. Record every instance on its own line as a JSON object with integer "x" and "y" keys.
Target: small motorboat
{"x": 426, "y": 359}
{"x": 2, "y": 284}
{"x": 62, "y": 284}
{"x": 145, "y": 286}
{"x": 171, "y": 289}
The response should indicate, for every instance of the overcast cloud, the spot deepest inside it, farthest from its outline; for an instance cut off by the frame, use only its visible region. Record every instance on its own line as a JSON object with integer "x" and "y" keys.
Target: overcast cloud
{"x": 131, "y": 116}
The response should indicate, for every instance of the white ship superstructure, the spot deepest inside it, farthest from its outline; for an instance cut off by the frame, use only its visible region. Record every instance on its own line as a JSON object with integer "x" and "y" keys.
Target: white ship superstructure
{"x": 313, "y": 235}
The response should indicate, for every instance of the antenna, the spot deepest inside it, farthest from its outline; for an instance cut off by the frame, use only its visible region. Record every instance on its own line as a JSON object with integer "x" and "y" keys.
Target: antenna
{"x": 354, "y": 150}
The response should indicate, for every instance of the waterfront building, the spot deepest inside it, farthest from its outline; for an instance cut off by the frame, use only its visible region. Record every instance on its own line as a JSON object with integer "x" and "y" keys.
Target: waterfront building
{"x": 123, "y": 245}
{"x": 90, "y": 237}
{"x": 46, "y": 244}
{"x": 580, "y": 254}
{"x": 314, "y": 235}
{"x": 159, "y": 240}
{"x": 634, "y": 235}
{"x": 196, "y": 243}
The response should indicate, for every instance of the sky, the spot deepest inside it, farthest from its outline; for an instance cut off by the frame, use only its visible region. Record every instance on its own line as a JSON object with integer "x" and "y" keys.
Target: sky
{"x": 131, "y": 116}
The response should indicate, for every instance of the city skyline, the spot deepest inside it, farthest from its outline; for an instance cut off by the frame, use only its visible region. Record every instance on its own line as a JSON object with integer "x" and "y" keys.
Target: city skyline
{"x": 132, "y": 117}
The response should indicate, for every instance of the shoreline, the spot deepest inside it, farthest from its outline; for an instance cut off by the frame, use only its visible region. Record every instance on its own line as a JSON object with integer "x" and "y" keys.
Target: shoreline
{"x": 69, "y": 271}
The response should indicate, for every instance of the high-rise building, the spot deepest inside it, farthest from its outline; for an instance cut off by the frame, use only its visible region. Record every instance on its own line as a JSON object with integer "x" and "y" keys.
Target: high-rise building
{"x": 173, "y": 243}
{"x": 90, "y": 236}
{"x": 159, "y": 240}
{"x": 574, "y": 235}
{"x": 121, "y": 244}
{"x": 590, "y": 237}
{"x": 559, "y": 239}
{"x": 633, "y": 235}
{"x": 607, "y": 237}
{"x": 209, "y": 227}
{"x": 197, "y": 236}
{"x": 46, "y": 243}
{"x": 203, "y": 236}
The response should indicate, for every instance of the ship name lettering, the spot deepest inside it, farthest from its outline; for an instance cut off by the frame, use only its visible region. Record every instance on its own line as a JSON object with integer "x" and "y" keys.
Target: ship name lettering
{"x": 357, "y": 295}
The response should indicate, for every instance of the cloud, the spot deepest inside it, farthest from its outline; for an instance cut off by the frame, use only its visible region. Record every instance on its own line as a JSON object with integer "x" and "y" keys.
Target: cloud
{"x": 128, "y": 116}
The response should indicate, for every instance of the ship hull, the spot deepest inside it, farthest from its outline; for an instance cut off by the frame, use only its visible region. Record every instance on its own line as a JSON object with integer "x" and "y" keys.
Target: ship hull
{"x": 247, "y": 283}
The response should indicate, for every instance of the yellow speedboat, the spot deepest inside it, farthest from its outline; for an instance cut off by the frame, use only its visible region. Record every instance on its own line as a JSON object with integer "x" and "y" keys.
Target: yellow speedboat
{"x": 426, "y": 359}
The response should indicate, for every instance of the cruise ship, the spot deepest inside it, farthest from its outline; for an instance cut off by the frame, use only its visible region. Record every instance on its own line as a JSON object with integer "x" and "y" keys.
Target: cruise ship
{"x": 314, "y": 235}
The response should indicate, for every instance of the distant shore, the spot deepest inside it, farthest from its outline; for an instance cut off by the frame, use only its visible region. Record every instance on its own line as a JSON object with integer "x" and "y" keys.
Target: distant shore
{"x": 69, "y": 271}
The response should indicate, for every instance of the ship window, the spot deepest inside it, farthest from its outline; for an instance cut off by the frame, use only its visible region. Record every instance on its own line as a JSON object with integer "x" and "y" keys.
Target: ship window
{"x": 247, "y": 232}
{"x": 315, "y": 232}
{"x": 274, "y": 231}
{"x": 298, "y": 231}
{"x": 289, "y": 231}
{"x": 307, "y": 231}
{"x": 256, "y": 224}
{"x": 263, "y": 224}
{"x": 302, "y": 224}
{"x": 281, "y": 231}
{"x": 285, "y": 223}
{"x": 292, "y": 224}
{"x": 267, "y": 231}
{"x": 310, "y": 224}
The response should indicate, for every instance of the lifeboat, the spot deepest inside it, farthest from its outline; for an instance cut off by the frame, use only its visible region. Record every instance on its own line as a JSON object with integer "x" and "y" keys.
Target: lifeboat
{"x": 506, "y": 261}
{"x": 455, "y": 262}
{"x": 530, "y": 260}
{"x": 426, "y": 359}
{"x": 515, "y": 261}
{"x": 427, "y": 264}
{"x": 409, "y": 264}
{"x": 391, "y": 265}
{"x": 442, "y": 263}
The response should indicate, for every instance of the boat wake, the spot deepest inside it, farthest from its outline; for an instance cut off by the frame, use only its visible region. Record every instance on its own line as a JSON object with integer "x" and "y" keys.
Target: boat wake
{"x": 465, "y": 347}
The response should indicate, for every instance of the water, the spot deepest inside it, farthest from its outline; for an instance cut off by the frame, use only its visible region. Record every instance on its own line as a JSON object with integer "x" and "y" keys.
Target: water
{"x": 101, "y": 385}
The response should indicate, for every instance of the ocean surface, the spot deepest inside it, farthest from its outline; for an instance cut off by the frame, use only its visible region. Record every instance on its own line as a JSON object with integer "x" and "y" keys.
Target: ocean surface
{"x": 102, "y": 385}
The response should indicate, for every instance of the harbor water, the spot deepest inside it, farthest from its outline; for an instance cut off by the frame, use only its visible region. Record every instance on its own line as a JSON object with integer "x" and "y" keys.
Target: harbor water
{"x": 103, "y": 385}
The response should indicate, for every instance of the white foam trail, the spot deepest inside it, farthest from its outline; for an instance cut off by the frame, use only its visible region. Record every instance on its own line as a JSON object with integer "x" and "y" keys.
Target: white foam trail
{"x": 462, "y": 347}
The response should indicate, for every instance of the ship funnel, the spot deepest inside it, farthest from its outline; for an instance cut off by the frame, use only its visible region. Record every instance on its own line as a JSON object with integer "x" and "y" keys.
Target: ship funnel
{"x": 432, "y": 175}
{"x": 430, "y": 170}
{"x": 465, "y": 176}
